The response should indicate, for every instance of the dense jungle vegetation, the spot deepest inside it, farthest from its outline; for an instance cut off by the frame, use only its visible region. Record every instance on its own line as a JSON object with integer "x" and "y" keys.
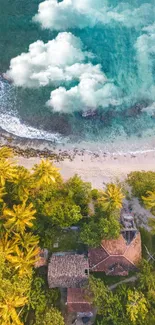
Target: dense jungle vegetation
{"x": 37, "y": 209}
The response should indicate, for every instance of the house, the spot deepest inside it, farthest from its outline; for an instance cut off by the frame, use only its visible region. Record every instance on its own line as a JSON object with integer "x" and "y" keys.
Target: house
{"x": 118, "y": 256}
{"x": 68, "y": 271}
{"x": 78, "y": 302}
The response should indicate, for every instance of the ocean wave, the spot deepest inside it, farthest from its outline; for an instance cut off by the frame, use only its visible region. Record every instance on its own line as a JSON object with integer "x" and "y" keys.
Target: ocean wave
{"x": 13, "y": 125}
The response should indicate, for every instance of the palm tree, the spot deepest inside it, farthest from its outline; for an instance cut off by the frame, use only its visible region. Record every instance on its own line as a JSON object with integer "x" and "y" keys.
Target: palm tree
{"x": 112, "y": 197}
{"x": 8, "y": 312}
{"x": 7, "y": 171}
{"x": 23, "y": 262}
{"x": 149, "y": 200}
{"x": 26, "y": 241}
{"x": 7, "y": 245}
{"x": 2, "y": 193}
{"x": 45, "y": 173}
{"x": 19, "y": 217}
{"x": 22, "y": 183}
{"x": 6, "y": 152}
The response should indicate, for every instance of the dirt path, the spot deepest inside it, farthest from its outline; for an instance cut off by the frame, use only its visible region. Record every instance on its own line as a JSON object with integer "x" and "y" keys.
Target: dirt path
{"x": 131, "y": 279}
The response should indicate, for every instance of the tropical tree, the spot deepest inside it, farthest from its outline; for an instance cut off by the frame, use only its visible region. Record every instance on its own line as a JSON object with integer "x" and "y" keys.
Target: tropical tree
{"x": 8, "y": 312}
{"x": 52, "y": 316}
{"x": 7, "y": 171}
{"x": 62, "y": 212}
{"x": 21, "y": 184}
{"x": 93, "y": 232}
{"x": 45, "y": 173}
{"x": 108, "y": 304}
{"x": 111, "y": 198}
{"x": 23, "y": 261}
{"x": 141, "y": 183}
{"x": 136, "y": 306}
{"x": 26, "y": 241}
{"x": 7, "y": 245}
{"x": 2, "y": 194}
{"x": 80, "y": 192}
{"x": 146, "y": 276}
{"x": 19, "y": 217}
{"x": 6, "y": 152}
{"x": 149, "y": 200}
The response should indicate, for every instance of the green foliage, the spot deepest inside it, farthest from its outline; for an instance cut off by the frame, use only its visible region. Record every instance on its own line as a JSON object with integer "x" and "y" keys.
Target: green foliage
{"x": 93, "y": 232}
{"x": 13, "y": 293}
{"x": 41, "y": 297}
{"x": 50, "y": 317}
{"x": 19, "y": 217}
{"x": 141, "y": 183}
{"x": 45, "y": 173}
{"x": 124, "y": 306}
{"x": 80, "y": 192}
{"x": 111, "y": 199}
{"x": 95, "y": 194}
{"x": 108, "y": 304}
{"x": 136, "y": 306}
{"x": 62, "y": 213}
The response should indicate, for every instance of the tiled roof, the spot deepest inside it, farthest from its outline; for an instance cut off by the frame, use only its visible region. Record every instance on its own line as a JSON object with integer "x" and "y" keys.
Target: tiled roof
{"x": 96, "y": 256}
{"x": 116, "y": 255}
{"x": 68, "y": 271}
{"x": 77, "y": 301}
{"x": 115, "y": 246}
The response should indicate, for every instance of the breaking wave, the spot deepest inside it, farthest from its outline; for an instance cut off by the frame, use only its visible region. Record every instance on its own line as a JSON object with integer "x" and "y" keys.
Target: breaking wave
{"x": 97, "y": 58}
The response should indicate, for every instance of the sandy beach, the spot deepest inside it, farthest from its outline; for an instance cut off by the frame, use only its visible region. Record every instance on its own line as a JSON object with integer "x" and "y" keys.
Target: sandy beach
{"x": 99, "y": 169}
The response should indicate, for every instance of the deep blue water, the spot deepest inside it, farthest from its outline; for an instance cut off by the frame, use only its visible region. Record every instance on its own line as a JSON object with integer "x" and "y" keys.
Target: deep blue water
{"x": 121, "y": 37}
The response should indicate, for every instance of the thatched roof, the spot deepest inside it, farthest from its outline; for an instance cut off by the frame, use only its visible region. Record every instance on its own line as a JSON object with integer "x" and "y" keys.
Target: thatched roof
{"x": 68, "y": 271}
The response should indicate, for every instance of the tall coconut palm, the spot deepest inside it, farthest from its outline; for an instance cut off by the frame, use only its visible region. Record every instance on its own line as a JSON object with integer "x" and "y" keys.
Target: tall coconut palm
{"x": 45, "y": 173}
{"x": 23, "y": 261}
{"x": 26, "y": 241}
{"x": 6, "y": 152}
{"x": 7, "y": 171}
{"x": 22, "y": 183}
{"x": 112, "y": 197}
{"x": 8, "y": 312}
{"x": 19, "y": 217}
{"x": 149, "y": 200}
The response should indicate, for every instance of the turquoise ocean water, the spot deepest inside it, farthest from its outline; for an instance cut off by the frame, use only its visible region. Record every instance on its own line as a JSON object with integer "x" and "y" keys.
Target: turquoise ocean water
{"x": 120, "y": 37}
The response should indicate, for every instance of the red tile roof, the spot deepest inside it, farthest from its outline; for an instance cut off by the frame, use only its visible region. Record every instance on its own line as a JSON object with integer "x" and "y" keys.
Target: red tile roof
{"x": 116, "y": 257}
{"x": 77, "y": 301}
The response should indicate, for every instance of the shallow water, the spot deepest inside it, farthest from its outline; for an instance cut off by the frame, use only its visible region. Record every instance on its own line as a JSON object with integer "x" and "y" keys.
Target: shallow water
{"x": 124, "y": 46}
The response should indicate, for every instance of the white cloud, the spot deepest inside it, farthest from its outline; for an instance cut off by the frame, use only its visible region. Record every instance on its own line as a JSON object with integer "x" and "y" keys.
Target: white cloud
{"x": 88, "y": 94}
{"x": 46, "y": 63}
{"x": 57, "y": 63}
{"x": 81, "y": 13}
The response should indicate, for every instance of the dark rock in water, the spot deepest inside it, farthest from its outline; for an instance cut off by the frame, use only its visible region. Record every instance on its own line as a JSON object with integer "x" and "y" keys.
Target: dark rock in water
{"x": 89, "y": 113}
{"x": 135, "y": 110}
{"x": 107, "y": 117}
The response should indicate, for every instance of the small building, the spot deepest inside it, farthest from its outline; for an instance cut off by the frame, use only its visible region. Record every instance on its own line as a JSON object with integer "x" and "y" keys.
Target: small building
{"x": 118, "y": 256}
{"x": 68, "y": 271}
{"x": 78, "y": 302}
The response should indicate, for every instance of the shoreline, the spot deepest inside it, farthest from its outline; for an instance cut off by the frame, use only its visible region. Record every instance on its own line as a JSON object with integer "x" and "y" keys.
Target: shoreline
{"x": 98, "y": 170}
{"x": 96, "y": 167}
